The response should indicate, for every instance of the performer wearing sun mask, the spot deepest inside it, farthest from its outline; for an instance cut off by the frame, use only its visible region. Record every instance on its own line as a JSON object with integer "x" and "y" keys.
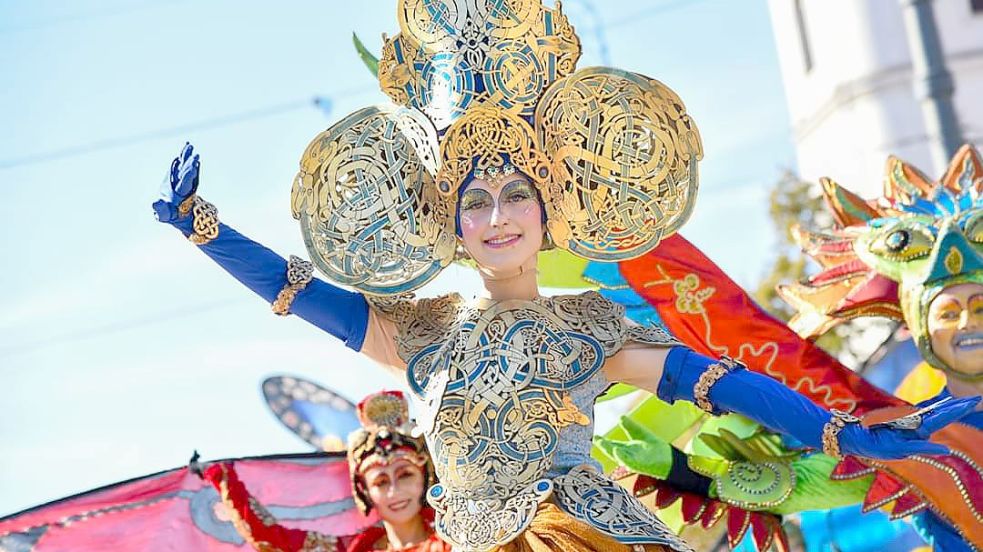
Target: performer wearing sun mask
{"x": 390, "y": 470}
{"x": 914, "y": 255}
{"x": 497, "y": 134}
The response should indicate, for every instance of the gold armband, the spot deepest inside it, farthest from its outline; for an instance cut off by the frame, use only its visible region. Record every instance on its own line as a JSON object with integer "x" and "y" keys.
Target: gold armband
{"x": 832, "y": 429}
{"x": 205, "y": 222}
{"x": 299, "y": 274}
{"x": 701, "y": 391}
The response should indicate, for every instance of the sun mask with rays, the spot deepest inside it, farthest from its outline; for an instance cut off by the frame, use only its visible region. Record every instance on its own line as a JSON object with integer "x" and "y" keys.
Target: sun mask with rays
{"x": 893, "y": 255}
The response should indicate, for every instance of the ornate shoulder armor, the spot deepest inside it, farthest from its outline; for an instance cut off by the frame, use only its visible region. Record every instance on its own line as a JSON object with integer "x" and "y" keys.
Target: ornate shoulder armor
{"x": 420, "y": 322}
{"x": 652, "y": 335}
{"x": 604, "y": 320}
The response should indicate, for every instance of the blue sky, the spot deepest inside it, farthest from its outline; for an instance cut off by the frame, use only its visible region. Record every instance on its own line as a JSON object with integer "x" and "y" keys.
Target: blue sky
{"x": 122, "y": 348}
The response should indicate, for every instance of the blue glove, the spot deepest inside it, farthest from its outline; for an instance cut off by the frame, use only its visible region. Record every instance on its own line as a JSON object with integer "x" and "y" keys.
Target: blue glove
{"x": 785, "y": 411}
{"x": 341, "y": 313}
{"x": 181, "y": 182}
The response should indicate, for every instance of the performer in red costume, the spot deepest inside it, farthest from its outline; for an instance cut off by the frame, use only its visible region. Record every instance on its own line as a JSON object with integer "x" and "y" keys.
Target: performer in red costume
{"x": 390, "y": 471}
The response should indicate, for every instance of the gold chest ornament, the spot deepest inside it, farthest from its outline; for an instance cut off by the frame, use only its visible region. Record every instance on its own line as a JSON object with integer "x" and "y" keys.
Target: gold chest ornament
{"x": 494, "y": 388}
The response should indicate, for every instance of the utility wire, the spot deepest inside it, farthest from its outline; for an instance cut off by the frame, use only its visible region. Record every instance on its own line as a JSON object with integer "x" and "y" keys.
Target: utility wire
{"x": 253, "y": 114}
{"x": 116, "y": 327}
{"x": 321, "y": 102}
{"x": 270, "y": 111}
{"x": 650, "y": 12}
{"x": 123, "y": 141}
{"x": 71, "y": 18}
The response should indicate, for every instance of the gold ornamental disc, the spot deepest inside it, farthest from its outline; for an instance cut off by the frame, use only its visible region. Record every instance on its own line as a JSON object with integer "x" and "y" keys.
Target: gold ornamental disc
{"x": 367, "y": 204}
{"x": 624, "y": 154}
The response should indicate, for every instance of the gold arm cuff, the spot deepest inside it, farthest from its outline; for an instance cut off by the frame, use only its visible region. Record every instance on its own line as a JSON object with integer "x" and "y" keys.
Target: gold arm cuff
{"x": 832, "y": 429}
{"x": 185, "y": 207}
{"x": 299, "y": 274}
{"x": 701, "y": 391}
{"x": 205, "y": 223}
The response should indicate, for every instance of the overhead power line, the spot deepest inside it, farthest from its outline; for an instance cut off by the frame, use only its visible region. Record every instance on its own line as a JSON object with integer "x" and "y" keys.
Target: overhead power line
{"x": 323, "y": 103}
{"x": 83, "y": 16}
{"x": 123, "y": 141}
{"x": 116, "y": 327}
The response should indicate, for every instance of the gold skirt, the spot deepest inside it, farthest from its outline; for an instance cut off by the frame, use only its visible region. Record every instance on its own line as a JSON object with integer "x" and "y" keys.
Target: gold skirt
{"x": 552, "y": 529}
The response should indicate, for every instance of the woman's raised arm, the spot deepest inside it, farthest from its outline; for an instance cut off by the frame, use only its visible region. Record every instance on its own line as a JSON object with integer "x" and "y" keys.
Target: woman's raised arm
{"x": 288, "y": 286}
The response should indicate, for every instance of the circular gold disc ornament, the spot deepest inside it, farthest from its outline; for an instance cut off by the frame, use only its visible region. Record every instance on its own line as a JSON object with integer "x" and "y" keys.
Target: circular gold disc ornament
{"x": 367, "y": 204}
{"x": 624, "y": 154}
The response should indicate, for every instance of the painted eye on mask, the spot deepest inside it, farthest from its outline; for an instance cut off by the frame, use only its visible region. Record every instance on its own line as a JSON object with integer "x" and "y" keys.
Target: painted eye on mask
{"x": 902, "y": 243}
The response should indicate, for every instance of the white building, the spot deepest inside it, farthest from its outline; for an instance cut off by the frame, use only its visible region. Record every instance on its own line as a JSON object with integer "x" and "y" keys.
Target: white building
{"x": 848, "y": 81}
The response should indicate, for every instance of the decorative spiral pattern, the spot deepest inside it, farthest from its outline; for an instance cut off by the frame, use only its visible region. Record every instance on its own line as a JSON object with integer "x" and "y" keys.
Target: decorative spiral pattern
{"x": 624, "y": 156}
{"x": 756, "y": 485}
{"x": 367, "y": 204}
{"x": 594, "y": 499}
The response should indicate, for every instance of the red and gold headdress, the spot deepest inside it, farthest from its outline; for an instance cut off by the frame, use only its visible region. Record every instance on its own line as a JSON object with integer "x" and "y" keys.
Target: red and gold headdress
{"x": 480, "y": 84}
{"x": 386, "y": 435}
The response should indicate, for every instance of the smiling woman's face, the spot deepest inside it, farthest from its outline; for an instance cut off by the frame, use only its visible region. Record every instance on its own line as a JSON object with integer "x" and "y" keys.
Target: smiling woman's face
{"x": 501, "y": 222}
{"x": 396, "y": 490}
{"x": 955, "y": 324}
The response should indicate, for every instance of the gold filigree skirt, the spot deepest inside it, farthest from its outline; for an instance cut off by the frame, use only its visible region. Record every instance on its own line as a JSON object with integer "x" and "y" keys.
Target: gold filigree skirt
{"x": 552, "y": 529}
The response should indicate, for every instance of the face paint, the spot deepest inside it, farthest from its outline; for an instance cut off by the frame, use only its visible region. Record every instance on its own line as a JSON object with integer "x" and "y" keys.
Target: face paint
{"x": 396, "y": 490}
{"x": 501, "y": 223}
{"x": 955, "y": 326}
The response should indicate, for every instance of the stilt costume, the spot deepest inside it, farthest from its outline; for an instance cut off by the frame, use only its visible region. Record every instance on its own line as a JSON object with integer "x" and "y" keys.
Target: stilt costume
{"x": 505, "y": 389}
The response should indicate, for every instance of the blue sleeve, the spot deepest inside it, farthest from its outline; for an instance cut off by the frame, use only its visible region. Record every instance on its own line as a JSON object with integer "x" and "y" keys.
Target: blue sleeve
{"x": 786, "y": 411}
{"x": 341, "y": 313}
{"x": 758, "y": 397}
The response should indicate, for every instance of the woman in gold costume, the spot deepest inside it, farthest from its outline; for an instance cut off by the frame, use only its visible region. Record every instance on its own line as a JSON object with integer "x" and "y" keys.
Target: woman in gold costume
{"x": 500, "y": 149}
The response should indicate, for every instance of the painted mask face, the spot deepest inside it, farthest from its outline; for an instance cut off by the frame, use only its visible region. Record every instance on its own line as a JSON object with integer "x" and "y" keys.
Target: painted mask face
{"x": 396, "y": 490}
{"x": 501, "y": 225}
{"x": 955, "y": 324}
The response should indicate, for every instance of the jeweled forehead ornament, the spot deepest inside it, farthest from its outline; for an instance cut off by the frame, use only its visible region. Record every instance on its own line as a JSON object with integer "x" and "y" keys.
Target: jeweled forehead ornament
{"x": 482, "y": 84}
{"x": 495, "y": 175}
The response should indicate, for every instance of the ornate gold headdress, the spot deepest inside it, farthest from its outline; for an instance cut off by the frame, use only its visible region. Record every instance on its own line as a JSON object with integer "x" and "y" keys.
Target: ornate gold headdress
{"x": 485, "y": 84}
{"x": 386, "y": 435}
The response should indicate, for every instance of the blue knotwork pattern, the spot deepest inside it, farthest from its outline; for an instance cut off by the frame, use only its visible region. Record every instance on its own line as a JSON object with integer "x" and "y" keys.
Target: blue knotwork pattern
{"x": 454, "y": 53}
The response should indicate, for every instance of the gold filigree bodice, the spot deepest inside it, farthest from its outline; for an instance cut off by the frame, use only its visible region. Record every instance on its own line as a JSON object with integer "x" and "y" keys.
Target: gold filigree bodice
{"x": 497, "y": 389}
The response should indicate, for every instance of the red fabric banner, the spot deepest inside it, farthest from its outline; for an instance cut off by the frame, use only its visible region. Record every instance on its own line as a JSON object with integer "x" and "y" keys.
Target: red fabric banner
{"x": 175, "y": 510}
{"x": 709, "y": 312}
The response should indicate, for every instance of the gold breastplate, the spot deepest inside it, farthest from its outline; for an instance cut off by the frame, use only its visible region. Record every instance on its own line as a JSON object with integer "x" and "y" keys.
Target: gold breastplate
{"x": 492, "y": 387}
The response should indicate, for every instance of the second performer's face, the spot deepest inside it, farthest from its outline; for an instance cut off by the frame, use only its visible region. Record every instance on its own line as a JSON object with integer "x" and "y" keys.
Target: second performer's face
{"x": 396, "y": 490}
{"x": 955, "y": 324}
{"x": 501, "y": 222}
